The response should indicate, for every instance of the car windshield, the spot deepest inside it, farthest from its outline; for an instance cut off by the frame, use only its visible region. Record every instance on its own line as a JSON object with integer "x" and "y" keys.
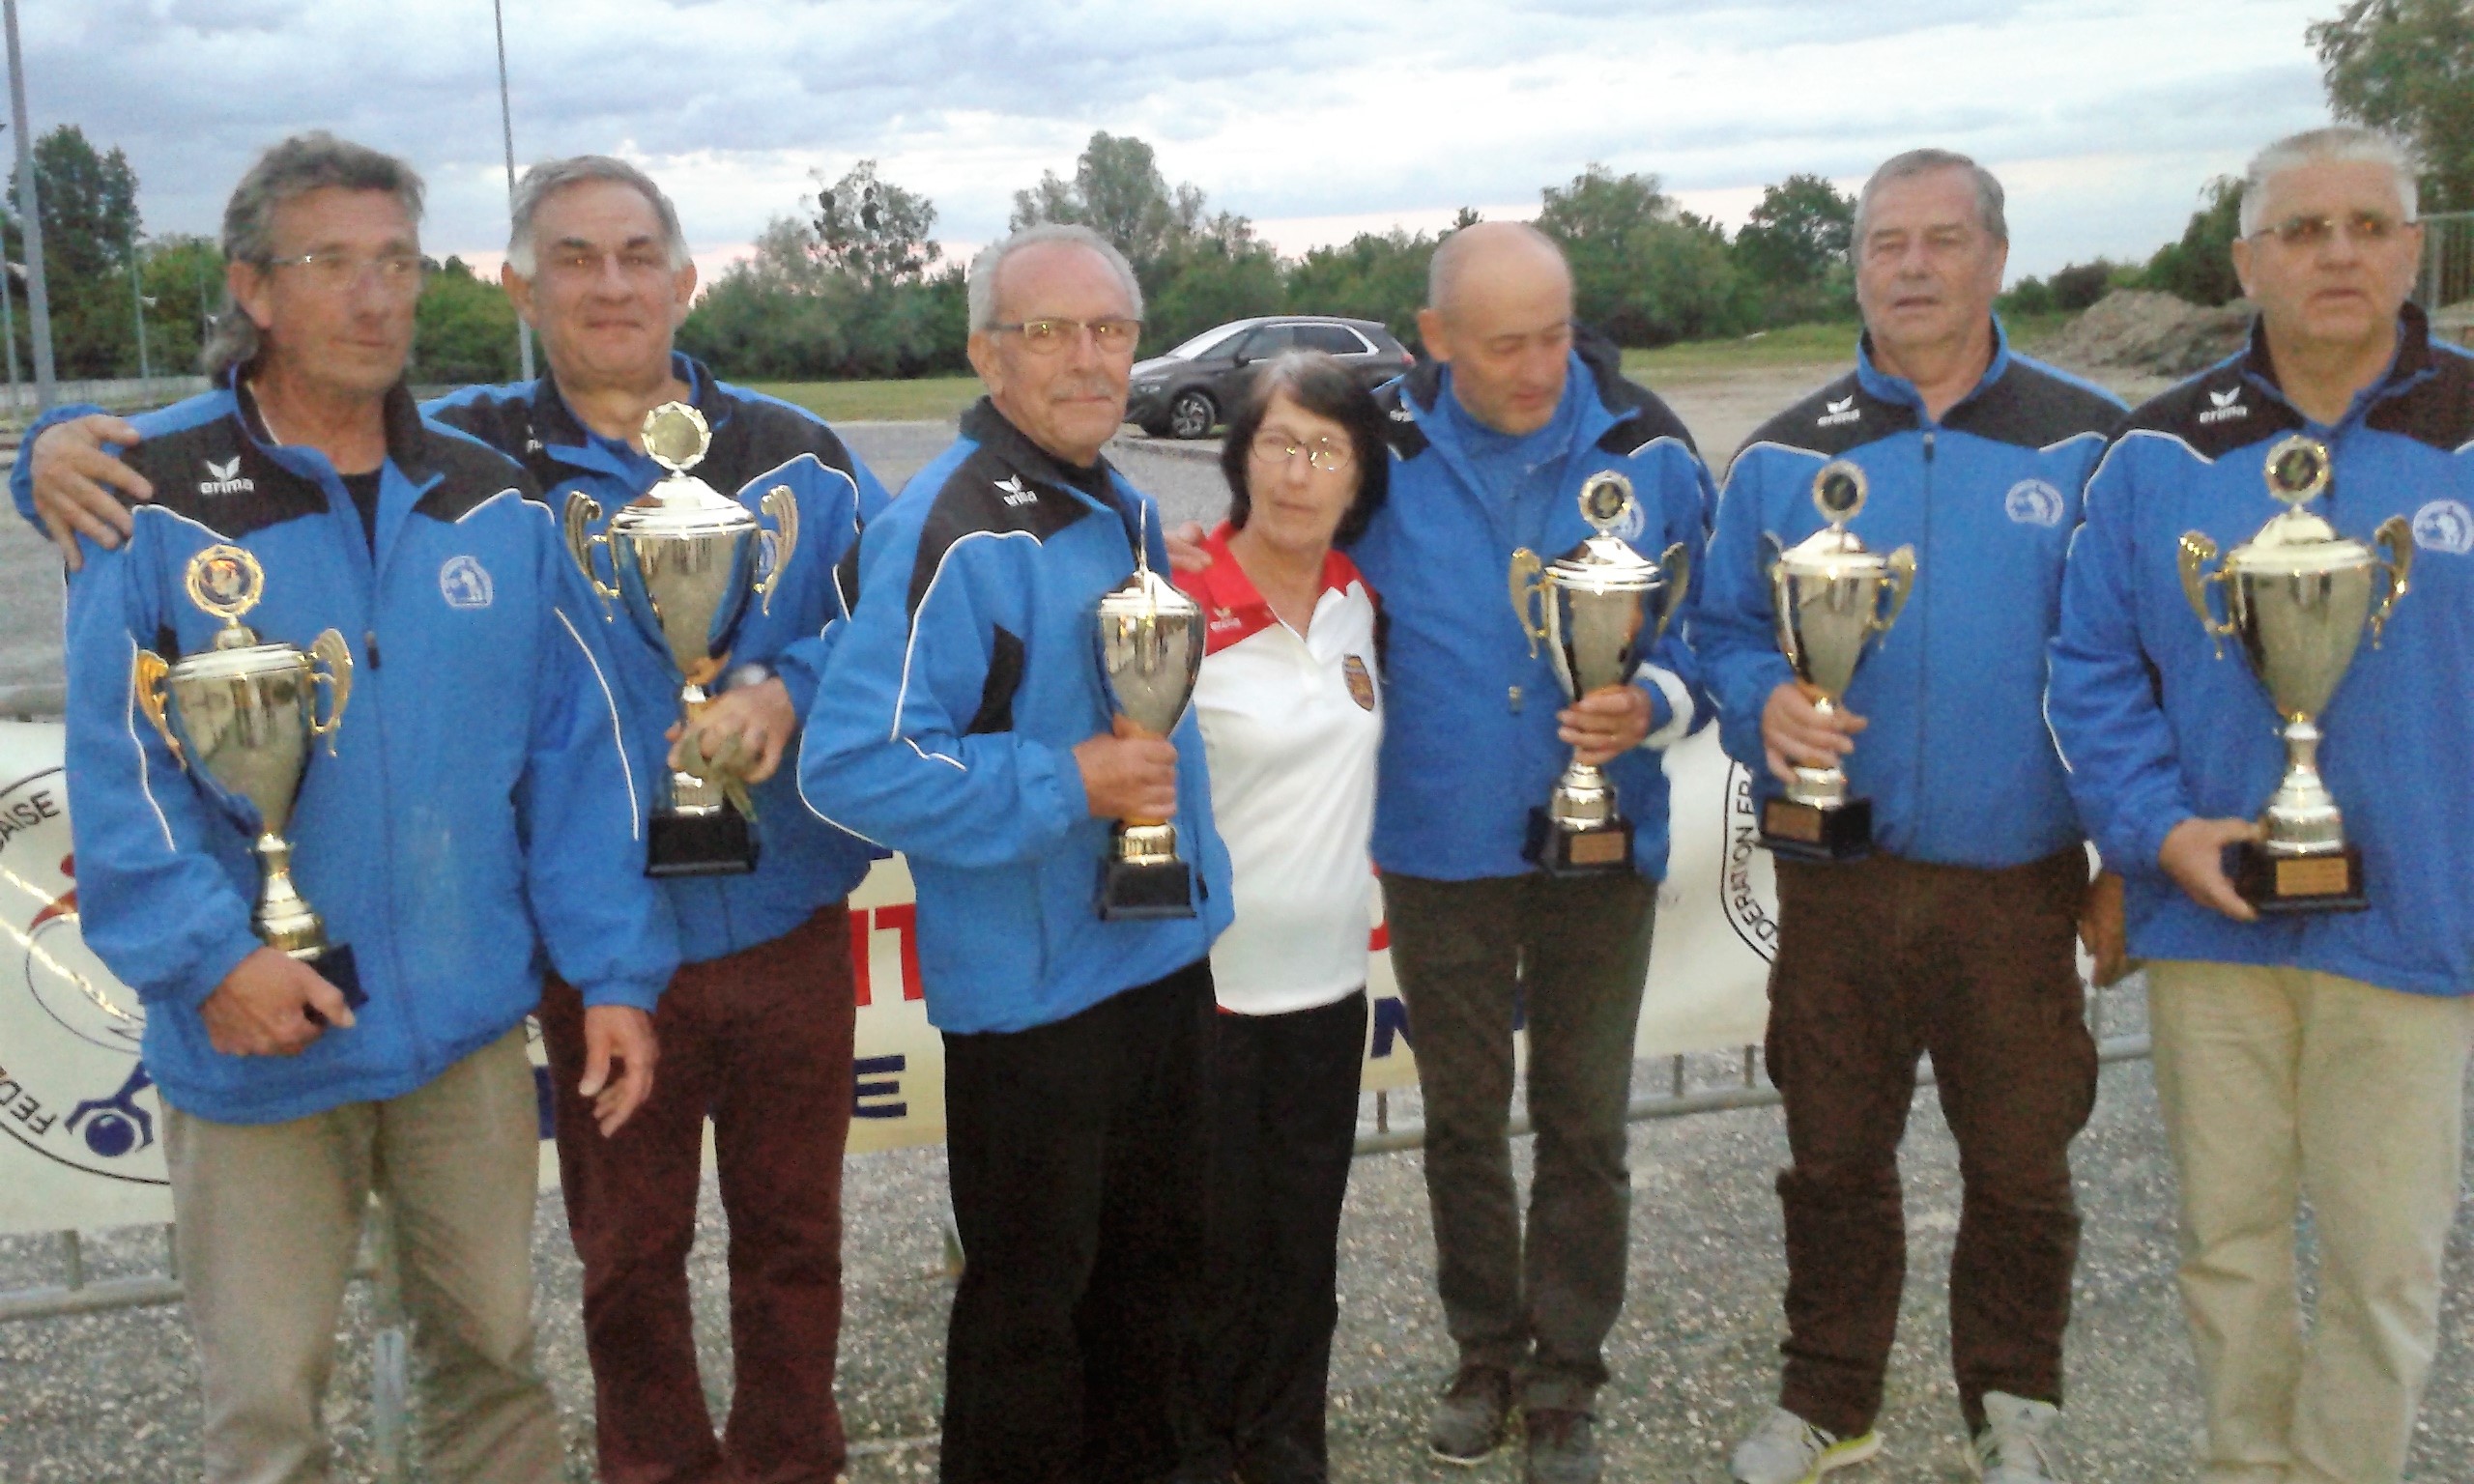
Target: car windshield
{"x": 1222, "y": 339}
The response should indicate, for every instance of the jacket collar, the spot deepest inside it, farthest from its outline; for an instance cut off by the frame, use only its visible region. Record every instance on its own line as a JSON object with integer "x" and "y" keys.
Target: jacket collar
{"x": 1594, "y": 374}
{"x": 563, "y": 435}
{"x": 2412, "y": 364}
{"x": 1882, "y": 386}
{"x": 408, "y": 437}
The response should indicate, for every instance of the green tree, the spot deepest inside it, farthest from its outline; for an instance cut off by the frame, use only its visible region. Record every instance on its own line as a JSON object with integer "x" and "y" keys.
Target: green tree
{"x": 184, "y": 279}
{"x": 1372, "y": 276}
{"x": 2407, "y": 66}
{"x": 874, "y": 230}
{"x": 90, "y": 226}
{"x": 463, "y": 329}
{"x": 1793, "y": 250}
{"x": 2199, "y": 268}
{"x": 1643, "y": 273}
{"x": 1117, "y": 191}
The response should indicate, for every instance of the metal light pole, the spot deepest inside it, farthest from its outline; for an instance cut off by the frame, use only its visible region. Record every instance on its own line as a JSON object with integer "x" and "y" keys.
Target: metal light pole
{"x": 8, "y": 308}
{"x": 506, "y": 129}
{"x": 137, "y": 303}
{"x": 30, "y": 216}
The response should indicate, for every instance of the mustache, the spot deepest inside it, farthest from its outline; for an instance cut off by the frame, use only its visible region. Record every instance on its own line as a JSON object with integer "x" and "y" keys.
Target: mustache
{"x": 1075, "y": 388}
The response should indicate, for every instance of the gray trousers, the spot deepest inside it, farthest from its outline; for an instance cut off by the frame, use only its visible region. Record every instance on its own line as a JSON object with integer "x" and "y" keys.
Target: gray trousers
{"x": 270, "y": 1218}
{"x": 1566, "y": 957}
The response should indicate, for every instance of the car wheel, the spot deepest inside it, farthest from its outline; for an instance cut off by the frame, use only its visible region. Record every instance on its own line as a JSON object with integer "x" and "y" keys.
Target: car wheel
{"x": 1193, "y": 414}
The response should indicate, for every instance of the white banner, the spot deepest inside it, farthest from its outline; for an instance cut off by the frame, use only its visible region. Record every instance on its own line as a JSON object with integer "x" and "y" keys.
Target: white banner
{"x": 80, "y": 1124}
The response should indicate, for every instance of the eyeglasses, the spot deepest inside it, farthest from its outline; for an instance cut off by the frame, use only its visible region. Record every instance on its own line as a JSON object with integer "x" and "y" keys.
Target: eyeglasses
{"x": 337, "y": 272}
{"x": 1051, "y": 337}
{"x": 640, "y": 261}
{"x": 1326, "y": 454}
{"x": 2369, "y": 228}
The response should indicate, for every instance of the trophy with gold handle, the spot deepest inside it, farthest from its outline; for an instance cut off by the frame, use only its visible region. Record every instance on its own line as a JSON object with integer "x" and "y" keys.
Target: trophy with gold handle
{"x": 2296, "y": 598}
{"x": 683, "y": 561}
{"x": 238, "y": 717}
{"x": 1599, "y": 609}
{"x": 1150, "y": 646}
{"x": 1833, "y": 599}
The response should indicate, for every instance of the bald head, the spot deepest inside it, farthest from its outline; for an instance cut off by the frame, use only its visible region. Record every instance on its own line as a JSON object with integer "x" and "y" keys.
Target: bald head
{"x": 1494, "y": 252}
{"x": 1499, "y": 313}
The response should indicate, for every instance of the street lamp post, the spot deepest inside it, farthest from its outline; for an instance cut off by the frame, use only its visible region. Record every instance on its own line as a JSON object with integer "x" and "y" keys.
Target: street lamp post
{"x": 137, "y": 302}
{"x": 506, "y": 128}
{"x": 29, "y": 216}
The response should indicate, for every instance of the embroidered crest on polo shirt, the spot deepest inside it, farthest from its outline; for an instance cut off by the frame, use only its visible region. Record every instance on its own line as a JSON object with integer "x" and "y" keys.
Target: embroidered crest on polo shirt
{"x": 1360, "y": 682}
{"x": 225, "y": 479}
{"x": 2033, "y": 503}
{"x": 2445, "y": 526}
{"x": 465, "y": 583}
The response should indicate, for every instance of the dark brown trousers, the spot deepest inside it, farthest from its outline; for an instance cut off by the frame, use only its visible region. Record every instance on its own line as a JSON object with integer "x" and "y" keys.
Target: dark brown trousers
{"x": 1882, "y": 960}
{"x": 760, "y": 1041}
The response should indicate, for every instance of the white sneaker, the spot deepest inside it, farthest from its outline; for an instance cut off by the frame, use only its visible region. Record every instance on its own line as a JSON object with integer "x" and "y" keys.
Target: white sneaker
{"x": 1787, "y": 1449}
{"x": 2017, "y": 1445}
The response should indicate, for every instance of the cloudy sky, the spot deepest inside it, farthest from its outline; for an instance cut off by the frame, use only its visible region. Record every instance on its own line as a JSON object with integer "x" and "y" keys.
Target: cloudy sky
{"x": 2104, "y": 117}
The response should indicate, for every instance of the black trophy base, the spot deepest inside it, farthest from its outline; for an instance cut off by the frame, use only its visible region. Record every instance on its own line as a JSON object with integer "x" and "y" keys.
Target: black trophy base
{"x": 719, "y": 843}
{"x": 1146, "y": 890}
{"x": 2278, "y": 884}
{"x": 1807, "y": 832}
{"x": 336, "y": 965}
{"x": 1561, "y": 850}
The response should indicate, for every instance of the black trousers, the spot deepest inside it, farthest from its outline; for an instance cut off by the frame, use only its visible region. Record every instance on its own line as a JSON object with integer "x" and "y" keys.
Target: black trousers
{"x": 1280, "y": 1129}
{"x": 1076, "y": 1185}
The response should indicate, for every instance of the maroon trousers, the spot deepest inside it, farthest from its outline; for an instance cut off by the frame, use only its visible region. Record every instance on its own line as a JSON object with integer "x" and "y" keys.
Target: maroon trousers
{"x": 1878, "y": 961}
{"x": 760, "y": 1042}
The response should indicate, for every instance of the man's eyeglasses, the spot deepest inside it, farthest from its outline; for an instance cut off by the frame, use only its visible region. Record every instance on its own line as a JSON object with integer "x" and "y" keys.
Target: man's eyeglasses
{"x": 1051, "y": 337}
{"x": 1329, "y": 455}
{"x": 641, "y": 261}
{"x": 336, "y": 273}
{"x": 2369, "y": 228}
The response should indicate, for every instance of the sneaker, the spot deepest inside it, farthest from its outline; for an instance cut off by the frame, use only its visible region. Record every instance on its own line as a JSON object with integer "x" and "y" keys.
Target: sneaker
{"x": 1787, "y": 1449}
{"x": 1468, "y": 1423}
{"x": 2017, "y": 1445}
{"x": 1563, "y": 1447}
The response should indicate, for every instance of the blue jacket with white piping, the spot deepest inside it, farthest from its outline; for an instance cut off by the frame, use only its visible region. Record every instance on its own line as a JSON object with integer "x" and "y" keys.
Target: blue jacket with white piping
{"x": 945, "y": 725}
{"x": 1469, "y": 745}
{"x": 758, "y": 444}
{"x": 2159, "y": 727}
{"x": 481, "y": 819}
{"x": 1956, "y": 760}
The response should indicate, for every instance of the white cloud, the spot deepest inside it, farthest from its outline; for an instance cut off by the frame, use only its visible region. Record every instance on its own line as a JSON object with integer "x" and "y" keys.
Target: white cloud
{"x": 2104, "y": 116}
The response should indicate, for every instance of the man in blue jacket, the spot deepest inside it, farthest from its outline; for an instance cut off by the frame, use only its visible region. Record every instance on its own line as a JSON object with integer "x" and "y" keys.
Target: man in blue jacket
{"x": 476, "y": 825}
{"x": 1492, "y": 442}
{"x": 1954, "y": 936}
{"x": 757, "y": 1029}
{"x": 961, "y": 722}
{"x": 2320, "y": 1054}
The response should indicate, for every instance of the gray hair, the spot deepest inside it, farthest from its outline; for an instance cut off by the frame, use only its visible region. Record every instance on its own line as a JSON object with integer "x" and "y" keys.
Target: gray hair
{"x": 298, "y": 165}
{"x": 985, "y": 268}
{"x": 552, "y": 176}
{"x": 1914, "y": 163}
{"x": 2341, "y": 143}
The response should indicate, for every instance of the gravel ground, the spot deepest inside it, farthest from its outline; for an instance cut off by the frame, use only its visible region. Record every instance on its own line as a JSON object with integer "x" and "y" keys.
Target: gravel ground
{"x": 113, "y": 1397}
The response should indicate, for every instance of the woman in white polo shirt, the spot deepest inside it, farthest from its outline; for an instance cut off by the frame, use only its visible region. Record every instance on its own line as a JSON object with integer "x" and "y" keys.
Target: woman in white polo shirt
{"x": 1291, "y": 714}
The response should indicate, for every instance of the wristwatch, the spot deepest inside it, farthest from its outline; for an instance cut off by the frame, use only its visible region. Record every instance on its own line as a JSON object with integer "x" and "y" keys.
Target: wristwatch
{"x": 740, "y": 676}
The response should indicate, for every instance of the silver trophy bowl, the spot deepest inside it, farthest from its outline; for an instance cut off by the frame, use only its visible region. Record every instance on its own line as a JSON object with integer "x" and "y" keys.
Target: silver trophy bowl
{"x": 1149, "y": 644}
{"x": 1834, "y": 598}
{"x": 2297, "y": 598}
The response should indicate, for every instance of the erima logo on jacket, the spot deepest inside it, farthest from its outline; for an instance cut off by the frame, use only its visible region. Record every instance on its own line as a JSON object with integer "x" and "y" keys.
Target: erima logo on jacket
{"x": 224, "y": 478}
{"x": 1016, "y": 492}
{"x": 1842, "y": 410}
{"x": 2224, "y": 407}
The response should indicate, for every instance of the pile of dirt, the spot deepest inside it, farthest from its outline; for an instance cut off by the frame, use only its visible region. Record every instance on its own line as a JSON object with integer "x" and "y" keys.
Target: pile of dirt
{"x": 2136, "y": 330}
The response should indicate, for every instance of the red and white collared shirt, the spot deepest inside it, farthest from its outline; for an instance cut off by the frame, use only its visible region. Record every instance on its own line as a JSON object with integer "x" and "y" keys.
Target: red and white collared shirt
{"x": 1291, "y": 724}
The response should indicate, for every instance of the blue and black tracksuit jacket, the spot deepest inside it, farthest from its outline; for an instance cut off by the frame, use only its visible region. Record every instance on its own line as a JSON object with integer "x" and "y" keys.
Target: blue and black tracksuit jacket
{"x": 481, "y": 819}
{"x": 1956, "y": 759}
{"x": 1469, "y": 743}
{"x": 945, "y": 725}
{"x": 759, "y": 443}
{"x": 2158, "y": 726}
